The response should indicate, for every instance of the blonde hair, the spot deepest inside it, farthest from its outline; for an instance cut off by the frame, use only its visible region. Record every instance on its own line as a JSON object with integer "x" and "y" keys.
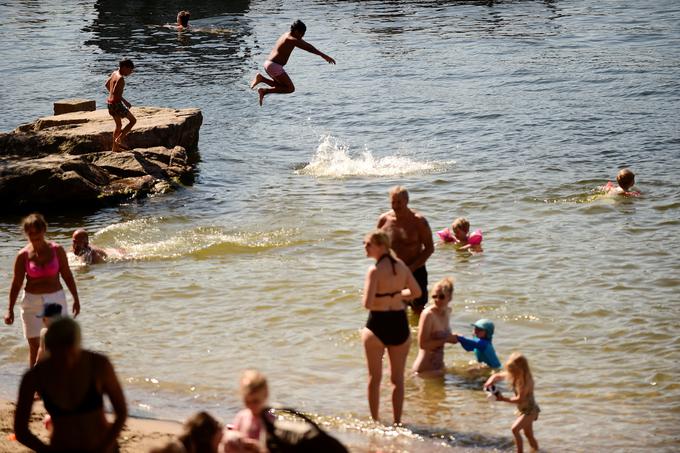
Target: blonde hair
{"x": 34, "y": 220}
{"x": 399, "y": 191}
{"x": 462, "y": 223}
{"x": 379, "y": 237}
{"x": 446, "y": 284}
{"x": 626, "y": 179}
{"x": 252, "y": 381}
{"x": 519, "y": 372}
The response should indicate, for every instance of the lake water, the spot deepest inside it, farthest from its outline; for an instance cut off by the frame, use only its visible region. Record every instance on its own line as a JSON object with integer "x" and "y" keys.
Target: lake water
{"x": 511, "y": 113}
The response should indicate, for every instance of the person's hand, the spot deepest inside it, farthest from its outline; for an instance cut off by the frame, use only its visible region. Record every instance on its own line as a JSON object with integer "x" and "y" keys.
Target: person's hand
{"x": 453, "y": 338}
{"x": 76, "y": 308}
{"x": 492, "y": 380}
{"x": 9, "y": 317}
{"x": 329, "y": 59}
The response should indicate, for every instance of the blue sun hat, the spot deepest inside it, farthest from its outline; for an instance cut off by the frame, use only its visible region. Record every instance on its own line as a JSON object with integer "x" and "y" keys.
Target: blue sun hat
{"x": 487, "y": 326}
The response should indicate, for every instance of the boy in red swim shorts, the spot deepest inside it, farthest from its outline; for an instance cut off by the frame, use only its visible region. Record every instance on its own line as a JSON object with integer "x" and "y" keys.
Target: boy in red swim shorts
{"x": 280, "y": 82}
{"x": 118, "y": 105}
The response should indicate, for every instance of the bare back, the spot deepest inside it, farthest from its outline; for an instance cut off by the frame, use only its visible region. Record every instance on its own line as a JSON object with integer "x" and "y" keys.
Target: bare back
{"x": 282, "y": 49}
{"x": 116, "y": 85}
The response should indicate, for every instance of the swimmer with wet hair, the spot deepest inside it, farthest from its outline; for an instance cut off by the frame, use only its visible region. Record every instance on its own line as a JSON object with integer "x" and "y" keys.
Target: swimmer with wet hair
{"x": 87, "y": 253}
{"x": 626, "y": 180}
{"x": 280, "y": 82}
{"x": 460, "y": 234}
{"x": 183, "y": 19}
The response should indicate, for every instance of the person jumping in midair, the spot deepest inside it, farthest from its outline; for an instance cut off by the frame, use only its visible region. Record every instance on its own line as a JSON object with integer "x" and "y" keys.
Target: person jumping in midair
{"x": 280, "y": 82}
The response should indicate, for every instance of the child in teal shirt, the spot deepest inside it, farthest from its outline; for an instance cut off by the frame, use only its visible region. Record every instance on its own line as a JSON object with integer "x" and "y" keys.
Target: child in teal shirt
{"x": 481, "y": 343}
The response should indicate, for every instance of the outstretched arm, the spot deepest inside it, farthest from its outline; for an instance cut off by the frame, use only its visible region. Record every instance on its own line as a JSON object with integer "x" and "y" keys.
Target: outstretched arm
{"x": 304, "y": 45}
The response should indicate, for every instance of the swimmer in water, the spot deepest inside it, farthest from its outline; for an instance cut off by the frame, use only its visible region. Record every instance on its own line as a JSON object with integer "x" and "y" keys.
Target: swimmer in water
{"x": 278, "y": 57}
{"x": 183, "y": 20}
{"x": 626, "y": 180}
{"x": 87, "y": 253}
{"x": 460, "y": 235}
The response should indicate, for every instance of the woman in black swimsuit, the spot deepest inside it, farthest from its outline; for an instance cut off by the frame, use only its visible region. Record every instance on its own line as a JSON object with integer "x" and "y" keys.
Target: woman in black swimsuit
{"x": 387, "y": 284}
{"x": 71, "y": 383}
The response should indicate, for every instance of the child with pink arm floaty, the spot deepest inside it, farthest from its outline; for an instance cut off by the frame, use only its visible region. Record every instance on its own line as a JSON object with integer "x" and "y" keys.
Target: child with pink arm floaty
{"x": 459, "y": 234}
{"x": 626, "y": 180}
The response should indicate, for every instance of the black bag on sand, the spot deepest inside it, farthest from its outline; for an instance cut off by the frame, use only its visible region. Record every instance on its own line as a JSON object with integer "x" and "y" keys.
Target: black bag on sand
{"x": 295, "y": 436}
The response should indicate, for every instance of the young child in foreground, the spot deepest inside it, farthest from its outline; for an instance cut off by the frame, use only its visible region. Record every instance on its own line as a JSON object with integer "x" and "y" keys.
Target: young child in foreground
{"x": 50, "y": 313}
{"x": 626, "y": 180}
{"x": 517, "y": 372}
{"x": 248, "y": 432}
{"x": 278, "y": 57}
{"x": 460, "y": 234}
{"x": 481, "y": 343}
{"x": 118, "y": 105}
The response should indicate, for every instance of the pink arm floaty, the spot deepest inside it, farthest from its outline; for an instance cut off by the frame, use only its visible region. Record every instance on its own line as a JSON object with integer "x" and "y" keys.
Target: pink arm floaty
{"x": 475, "y": 238}
{"x": 445, "y": 235}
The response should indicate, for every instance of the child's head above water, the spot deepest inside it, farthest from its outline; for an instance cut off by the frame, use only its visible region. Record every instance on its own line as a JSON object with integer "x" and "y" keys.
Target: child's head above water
{"x": 460, "y": 228}
{"x": 626, "y": 179}
{"x": 183, "y": 18}
{"x": 484, "y": 329}
{"x": 254, "y": 390}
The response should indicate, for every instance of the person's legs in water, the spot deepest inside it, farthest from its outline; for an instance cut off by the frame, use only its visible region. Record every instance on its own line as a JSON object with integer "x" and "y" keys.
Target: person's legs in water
{"x": 397, "y": 355}
{"x": 374, "y": 355}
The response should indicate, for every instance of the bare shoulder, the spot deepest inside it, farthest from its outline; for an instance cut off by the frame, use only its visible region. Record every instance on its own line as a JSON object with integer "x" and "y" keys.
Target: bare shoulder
{"x": 384, "y": 217}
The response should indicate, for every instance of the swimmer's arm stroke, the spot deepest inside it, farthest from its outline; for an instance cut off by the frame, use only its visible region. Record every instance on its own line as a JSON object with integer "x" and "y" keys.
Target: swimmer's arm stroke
{"x": 304, "y": 45}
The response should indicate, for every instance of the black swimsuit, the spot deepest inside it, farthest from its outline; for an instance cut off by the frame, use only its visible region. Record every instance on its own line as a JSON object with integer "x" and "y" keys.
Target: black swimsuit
{"x": 91, "y": 401}
{"x": 391, "y": 327}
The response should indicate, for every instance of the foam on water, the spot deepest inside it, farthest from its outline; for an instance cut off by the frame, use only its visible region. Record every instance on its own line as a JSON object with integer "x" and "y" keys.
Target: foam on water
{"x": 149, "y": 238}
{"x": 333, "y": 159}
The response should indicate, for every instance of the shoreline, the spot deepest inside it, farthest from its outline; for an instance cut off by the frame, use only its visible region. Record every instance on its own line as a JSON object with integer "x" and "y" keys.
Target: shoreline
{"x": 139, "y": 434}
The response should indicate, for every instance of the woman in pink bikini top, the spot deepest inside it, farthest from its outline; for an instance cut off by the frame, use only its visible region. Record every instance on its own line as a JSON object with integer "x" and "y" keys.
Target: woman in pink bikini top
{"x": 40, "y": 263}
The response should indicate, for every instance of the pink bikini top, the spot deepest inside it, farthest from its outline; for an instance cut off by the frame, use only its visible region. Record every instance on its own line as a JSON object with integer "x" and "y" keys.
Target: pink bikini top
{"x": 50, "y": 269}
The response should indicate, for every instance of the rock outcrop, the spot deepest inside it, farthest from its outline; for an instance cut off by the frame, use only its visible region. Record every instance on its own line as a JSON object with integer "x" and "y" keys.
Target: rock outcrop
{"x": 65, "y": 160}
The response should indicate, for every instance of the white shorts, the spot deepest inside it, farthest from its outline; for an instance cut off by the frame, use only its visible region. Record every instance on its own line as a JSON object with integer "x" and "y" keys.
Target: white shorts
{"x": 32, "y": 305}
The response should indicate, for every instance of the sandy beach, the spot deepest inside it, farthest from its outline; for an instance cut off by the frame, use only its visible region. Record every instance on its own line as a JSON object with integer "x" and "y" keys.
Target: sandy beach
{"x": 139, "y": 435}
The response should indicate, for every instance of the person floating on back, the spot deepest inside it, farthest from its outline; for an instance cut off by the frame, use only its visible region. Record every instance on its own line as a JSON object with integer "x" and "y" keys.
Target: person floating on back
{"x": 183, "y": 20}
{"x": 481, "y": 343}
{"x": 280, "y": 82}
{"x": 118, "y": 105}
{"x": 626, "y": 180}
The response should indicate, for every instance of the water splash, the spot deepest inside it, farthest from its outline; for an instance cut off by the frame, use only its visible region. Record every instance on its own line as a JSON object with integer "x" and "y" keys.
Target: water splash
{"x": 334, "y": 160}
{"x": 156, "y": 238}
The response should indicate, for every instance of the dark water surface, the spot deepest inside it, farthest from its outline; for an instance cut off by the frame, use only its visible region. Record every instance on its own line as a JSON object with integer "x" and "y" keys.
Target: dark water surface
{"x": 510, "y": 113}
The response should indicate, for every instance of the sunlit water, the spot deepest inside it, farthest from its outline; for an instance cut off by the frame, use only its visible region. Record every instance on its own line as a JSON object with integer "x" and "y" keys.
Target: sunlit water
{"x": 509, "y": 113}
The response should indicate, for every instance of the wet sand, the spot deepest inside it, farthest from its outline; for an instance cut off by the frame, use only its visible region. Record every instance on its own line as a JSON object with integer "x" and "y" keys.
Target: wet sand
{"x": 139, "y": 435}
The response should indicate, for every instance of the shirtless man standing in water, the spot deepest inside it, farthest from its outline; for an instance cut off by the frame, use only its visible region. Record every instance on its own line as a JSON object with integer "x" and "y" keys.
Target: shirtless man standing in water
{"x": 411, "y": 239}
{"x": 280, "y": 82}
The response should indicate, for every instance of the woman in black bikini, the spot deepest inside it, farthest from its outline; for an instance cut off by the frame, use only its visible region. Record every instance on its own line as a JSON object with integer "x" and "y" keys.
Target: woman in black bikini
{"x": 71, "y": 383}
{"x": 387, "y": 284}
